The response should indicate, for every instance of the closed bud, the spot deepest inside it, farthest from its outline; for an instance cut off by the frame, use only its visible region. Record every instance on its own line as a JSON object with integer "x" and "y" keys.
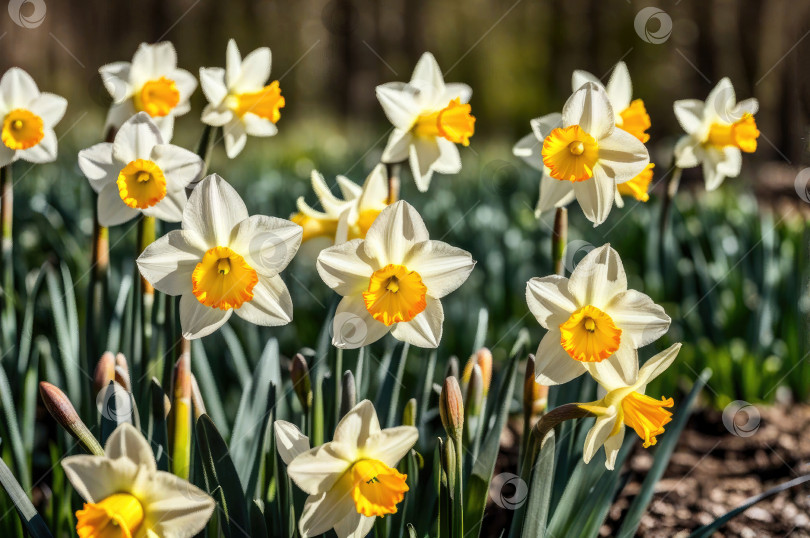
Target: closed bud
{"x": 409, "y": 413}
{"x": 122, "y": 372}
{"x": 451, "y": 408}
{"x": 475, "y": 392}
{"x": 483, "y": 358}
{"x": 62, "y": 410}
{"x": 302, "y": 385}
{"x": 105, "y": 372}
{"x": 535, "y": 395}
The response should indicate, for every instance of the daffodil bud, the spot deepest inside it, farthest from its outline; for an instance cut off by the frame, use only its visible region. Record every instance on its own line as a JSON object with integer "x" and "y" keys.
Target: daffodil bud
{"x": 451, "y": 408}
{"x": 105, "y": 372}
{"x": 475, "y": 392}
{"x": 122, "y": 372}
{"x": 535, "y": 395}
{"x": 483, "y": 358}
{"x": 62, "y": 410}
{"x": 302, "y": 385}
{"x": 409, "y": 413}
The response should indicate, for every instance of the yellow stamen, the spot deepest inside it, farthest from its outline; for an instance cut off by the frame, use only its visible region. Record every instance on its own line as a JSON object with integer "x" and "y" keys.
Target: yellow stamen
{"x": 646, "y": 415}
{"x": 376, "y": 488}
{"x": 118, "y": 516}
{"x": 22, "y": 129}
{"x": 223, "y": 279}
{"x": 395, "y": 294}
{"x": 141, "y": 184}
{"x": 157, "y": 97}
{"x": 590, "y": 335}
{"x": 637, "y": 187}
{"x": 742, "y": 134}
{"x": 635, "y": 120}
{"x": 454, "y": 122}
{"x": 265, "y": 103}
{"x": 570, "y": 153}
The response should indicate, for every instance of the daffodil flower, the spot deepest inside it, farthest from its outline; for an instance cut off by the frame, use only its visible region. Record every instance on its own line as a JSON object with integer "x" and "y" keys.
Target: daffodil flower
{"x": 126, "y": 496}
{"x": 29, "y": 117}
{"x": 139, "y": 173}
{"x": 352, "y": 479}
{"x": 151, "y": 83}
{"x": 238, "y": 99}
{"x": 392, "y": 281}
{"x": 717, "y": 131}
{"x": 347, "y": 218}
{"x": 626, "y": 404}
{"x": 429, "y": 119}
{"x": 594, "y": 322}
{"x": 223, "y": 261}
{"x": 584, "y": 153}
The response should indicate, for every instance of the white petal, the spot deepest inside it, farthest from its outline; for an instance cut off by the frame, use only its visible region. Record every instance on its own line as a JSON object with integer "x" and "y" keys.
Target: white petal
{"x": 49, "y": 107}
{"x": 399, "y": 104}
{"x": 598, "y": 434}
{"x": 44, "y": 152}
{"x": 398, "y": 146}
{"x": 217, "y": 116}
{"x": 542, "y": 126}
{"x": 355, "y": 525}
{"x": 115, "y": 77}
{"x": 7, "y": 155}
{"x": 213, "y": 210}
{"x": 428, "y": 79}
{"x": 346, "y": 268}
{"x": 443, "y": 268}
{"x": 258, "y": 126}
{"x": 186, "y": 84}
{"x": 598, "y": 277}
{"x": 127, "y": 442}
{"x": 394, "y": 233}
{"x": 271, "y": 305}
{"x": 324, "y": 511}
{"x": 392, "y": 444}
{"x": 658, "y": 364}
{"x": 290, "y": 441}
{"x": 618, "y": 370}
{"x": 17, "y": 88}
{"x": 590, "y": 109}
{"x": 316, "y": 470}
{"x": 170, "y": 208}
{"x": 374, "y": 192}
{"x": 353, "y": 326}
{"x": 721, "y": 102}
{"x": 554, "y": 365}
{"x": 351, "y": 190}
{"x": 254, "y": 72}
{"x": 168, "y": 263}
{"x": 620, "y": 88}
{"x": 423, "y": 153}
{"x": 235, "y": 138}
{"x": 689, "y": 113}
{"x": 152, "y": 61}
{"x": 553, "y": 193}
{"x": 622, "y": 156}
{"x": 112, "y": 211}
{"x": 424, "y": 330}
{"x": 95, "y": 477}
{"x": 579, "y": 77}
{"x": 212, "y": 82}
{"x": 268, "y": 243}
{"x": 640, "y": 319}
{"x": 180, "y": 166}
{"x": 198, "y": 320}
{"x": 97, "y": 164}
{"x": 358, "y": 425}
{"x": 596, "y": 195}
{"x": 233, "y": 63}
{"x": 720, "y": 164}
{"x": 612, "y": 446}
{"x": 688, "y": 152}
{"x": 530, "y": 149}
{"x": 456, "y": 90}
{"x": 449, "y": 161}
{"x": 747, "y": 106}
{"x": 118, "y": 114}
{"x": 136, "y": 138}
{"x": 549, "y": 300}
{"x": 173, "y": 507}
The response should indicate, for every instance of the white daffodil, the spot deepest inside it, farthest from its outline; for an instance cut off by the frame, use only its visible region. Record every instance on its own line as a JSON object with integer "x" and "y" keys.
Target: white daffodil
{"x": 584, "y": 152}
{"x": 29, "y": 117}
{"x": 392, "y": 281}
{"x": 350, "y": 480}
{"x": 223, "y": 261}
{"x": 625, "y": 404}
{"x": 126, "y": 496}
{"x": 238, "y": 99}
{"x": 429, "y": 119}
{"x": 151, "y": 83}
{"x": 717, "y": 130}
{"x": 139, "y": 173}
{"x": 349, "y": 218}
{"x": 594, "y": 322}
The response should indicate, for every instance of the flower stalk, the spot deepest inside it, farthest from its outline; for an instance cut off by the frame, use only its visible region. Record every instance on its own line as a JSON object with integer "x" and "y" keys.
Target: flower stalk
{"x": 62, "y": 410}
{"x": 559, "y": 238}
{"x": 180, "y": 418}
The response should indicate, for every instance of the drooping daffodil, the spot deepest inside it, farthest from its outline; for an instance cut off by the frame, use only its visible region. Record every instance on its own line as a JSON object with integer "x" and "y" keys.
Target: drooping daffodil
{"x": 392, "y": 281}
{"x": 593, "y": 321}
{"x": 717, "y": 132}
{"x": 238, "y": 99}
{"x": 584, "y": 152}
{"x": 626, "y": 404}
{"x": 29, "y": 117}
{"x": 347, "y": 218}
{"x": 430, "y": 118}
{"x": 350, "y": 480}
{"x": 127, "y": 497}
{"x": 151, "y": 83}
{"x": 139, "y": 174}
{"x": 223, "y": 261}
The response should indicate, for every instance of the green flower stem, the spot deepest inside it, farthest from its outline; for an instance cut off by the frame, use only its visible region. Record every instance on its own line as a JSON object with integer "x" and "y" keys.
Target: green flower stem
{"x": 6, "y": 261}
{"x": 393, "y": 171}
{"x": 99, "y": 270}
{"x": 181, "y": 418}
{"x": 205, "y": 146}
{"x": 550, "y": 420}
{"x": 559, "y": 238}
{"x": 673, "y": 182}
{"x": 146, "y": 236}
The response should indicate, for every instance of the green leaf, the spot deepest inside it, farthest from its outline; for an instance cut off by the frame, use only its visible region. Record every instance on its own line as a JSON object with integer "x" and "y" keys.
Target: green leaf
{"x": 158, "y": 432}
{"x": 13, "y": 429}
{"x": 33, "y": 522}
{"x": 534, "y": 513}
{"x": 208, "y": 385}
{"x": 258, "y": 527}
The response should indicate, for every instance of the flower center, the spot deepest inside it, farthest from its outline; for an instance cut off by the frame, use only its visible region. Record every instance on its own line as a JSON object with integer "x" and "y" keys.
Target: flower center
{"x": 157, "y": 97}
{"x": 637, "y": 187}
{"x": 646, "y": 415}
{"x": 635, "y": 120}
{"x": 590, "y": 335}
{"x": 570, "y": 153}
{"x": 265, "y": 103}
{"x": 141, "y": 184}
{"x": 741, "y": 134}
{"x": 223, "y": 279}
{"x": 395, "y": 294}
{"x": 454, "y": 122}
{"x": 376, "y": 488}
{"x": 118, "y": 516}
{"x": 22, "y": 129}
